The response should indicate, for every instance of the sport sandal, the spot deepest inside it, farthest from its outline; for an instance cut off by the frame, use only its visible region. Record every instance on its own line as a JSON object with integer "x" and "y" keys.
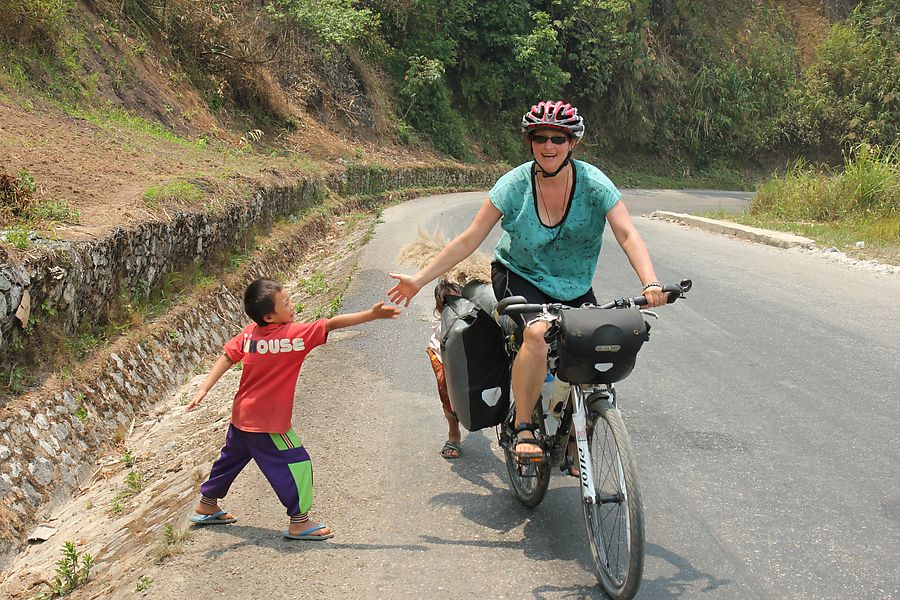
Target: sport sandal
{"x": 527, "y": 456}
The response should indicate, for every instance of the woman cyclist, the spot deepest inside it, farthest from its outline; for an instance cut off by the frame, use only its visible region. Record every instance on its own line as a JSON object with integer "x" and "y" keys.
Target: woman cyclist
{"x": 553, "y": 211}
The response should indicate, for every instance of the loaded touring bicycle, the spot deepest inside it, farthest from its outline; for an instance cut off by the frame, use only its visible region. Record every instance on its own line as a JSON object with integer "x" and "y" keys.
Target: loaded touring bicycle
{"x": 591, "y": 349}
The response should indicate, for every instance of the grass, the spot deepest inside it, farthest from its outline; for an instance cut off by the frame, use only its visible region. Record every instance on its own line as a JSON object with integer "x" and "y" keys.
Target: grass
{"x": 174, "y": 192}
{"x": 314, "y": 284}
{"x": 53, "y": 211}
{"x": 21, "y": 212}
{"x": 116, "y": 117}
{"x": 880, "y": 237}
{"x": 170, "y": 545}
{"x": 838, "y": 208}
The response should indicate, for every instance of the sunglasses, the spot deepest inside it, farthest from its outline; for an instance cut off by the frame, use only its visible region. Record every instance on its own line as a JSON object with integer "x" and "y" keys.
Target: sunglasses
{"x": 558, "y": 140}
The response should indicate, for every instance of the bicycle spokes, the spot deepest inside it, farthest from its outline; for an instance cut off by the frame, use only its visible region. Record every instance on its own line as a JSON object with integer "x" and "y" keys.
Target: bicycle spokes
{"x": 614, "y": 519}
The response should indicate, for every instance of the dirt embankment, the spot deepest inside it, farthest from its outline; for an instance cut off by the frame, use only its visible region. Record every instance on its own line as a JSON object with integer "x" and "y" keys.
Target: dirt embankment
{"x": 130, "y": 515}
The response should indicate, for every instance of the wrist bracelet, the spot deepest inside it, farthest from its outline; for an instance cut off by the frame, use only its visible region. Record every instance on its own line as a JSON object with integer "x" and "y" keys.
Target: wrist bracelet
{"x": 650, "y": 285}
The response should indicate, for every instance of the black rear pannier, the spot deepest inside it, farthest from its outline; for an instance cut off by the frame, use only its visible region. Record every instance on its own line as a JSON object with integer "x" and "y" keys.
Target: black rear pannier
{"x": 476, "y": 364}
{"x": 599, "y": 345}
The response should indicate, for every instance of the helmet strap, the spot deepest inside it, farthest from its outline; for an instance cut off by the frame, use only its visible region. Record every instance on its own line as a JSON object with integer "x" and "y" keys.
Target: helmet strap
{"x": 554, "y": 173}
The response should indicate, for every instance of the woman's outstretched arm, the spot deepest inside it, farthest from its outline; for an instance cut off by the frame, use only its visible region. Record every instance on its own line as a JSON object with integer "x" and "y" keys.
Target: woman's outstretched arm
{"x": 459, "y": 248}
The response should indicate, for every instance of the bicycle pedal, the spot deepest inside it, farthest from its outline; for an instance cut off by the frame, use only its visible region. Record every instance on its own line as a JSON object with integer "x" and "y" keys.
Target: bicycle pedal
{"x": 530, "y": 460}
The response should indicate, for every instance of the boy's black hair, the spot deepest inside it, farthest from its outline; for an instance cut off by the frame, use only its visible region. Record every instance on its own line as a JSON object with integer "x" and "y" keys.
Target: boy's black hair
{"x": 443, "y": 289}
{"x": 259, "y": 299}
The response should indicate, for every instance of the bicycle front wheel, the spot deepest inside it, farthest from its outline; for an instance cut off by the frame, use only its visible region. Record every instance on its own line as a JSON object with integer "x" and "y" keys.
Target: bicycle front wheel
{"x": 615, "y": 521}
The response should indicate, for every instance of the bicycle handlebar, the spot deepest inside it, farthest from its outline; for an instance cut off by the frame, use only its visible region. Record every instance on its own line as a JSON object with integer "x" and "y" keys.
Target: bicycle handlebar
{"x": 515, "y": 305}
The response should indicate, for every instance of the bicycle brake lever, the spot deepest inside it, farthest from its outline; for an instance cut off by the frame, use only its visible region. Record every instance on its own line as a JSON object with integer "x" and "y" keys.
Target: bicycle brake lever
{"x": 649, "y": 312}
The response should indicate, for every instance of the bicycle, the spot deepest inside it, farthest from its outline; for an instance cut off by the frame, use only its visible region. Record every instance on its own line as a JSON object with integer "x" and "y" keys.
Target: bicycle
{"x": 611, "y": 499}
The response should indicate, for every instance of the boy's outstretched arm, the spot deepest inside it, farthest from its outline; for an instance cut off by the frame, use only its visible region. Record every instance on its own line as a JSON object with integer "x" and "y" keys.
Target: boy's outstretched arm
{"x": 222, "y": 365}
{"x": 378, "y": 311}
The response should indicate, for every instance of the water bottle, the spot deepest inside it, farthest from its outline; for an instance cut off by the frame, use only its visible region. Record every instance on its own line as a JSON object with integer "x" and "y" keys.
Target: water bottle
{"x": 558, "y": 398}
{"x": 551, "y": 421}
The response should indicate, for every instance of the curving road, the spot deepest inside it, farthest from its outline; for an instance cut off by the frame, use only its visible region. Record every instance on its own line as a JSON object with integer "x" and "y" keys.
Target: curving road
{"x": 764, "y": 414}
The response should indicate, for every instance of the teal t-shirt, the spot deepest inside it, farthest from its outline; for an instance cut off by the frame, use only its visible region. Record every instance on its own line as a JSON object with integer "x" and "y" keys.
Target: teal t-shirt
{"x": 560, "y": 260}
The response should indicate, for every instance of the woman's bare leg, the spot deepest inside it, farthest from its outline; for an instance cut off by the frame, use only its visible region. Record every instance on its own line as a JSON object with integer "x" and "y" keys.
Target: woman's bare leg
{"x": 528, "y": 374}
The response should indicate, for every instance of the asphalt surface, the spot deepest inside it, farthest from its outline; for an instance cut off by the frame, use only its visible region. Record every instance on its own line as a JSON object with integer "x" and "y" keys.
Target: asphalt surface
{"x": 763, "y": 413}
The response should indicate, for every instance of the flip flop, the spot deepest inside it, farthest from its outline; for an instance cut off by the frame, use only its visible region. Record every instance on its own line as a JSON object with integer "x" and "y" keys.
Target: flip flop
{"x": 449, "y": 448}
{"x": 306, "y": 534}
{"x": 213, "y": 519}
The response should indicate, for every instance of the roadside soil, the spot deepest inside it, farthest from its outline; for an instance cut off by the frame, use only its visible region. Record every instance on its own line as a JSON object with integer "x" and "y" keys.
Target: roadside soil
{"x": 149, "y": 483}
{"x": 103, "y": 171}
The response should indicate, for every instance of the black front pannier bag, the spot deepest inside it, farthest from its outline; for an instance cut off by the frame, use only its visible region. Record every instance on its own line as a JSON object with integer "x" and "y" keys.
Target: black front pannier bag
{"x": 599, "y": 345}
{"x": 476, "y": 363}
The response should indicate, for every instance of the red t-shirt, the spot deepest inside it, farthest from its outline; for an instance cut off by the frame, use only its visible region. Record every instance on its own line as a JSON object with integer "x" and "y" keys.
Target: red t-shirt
{"x": 272, "y": 357}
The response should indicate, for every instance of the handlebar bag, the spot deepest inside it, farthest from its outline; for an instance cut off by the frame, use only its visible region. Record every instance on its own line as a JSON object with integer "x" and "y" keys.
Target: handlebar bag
{"x": 476, "y": 363}
{"x": 599, "y": 345}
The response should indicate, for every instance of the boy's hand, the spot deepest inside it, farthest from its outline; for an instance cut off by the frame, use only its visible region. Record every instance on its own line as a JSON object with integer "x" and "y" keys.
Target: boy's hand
{"x": 380, "y": 311}
{"x": 200, "y": 395}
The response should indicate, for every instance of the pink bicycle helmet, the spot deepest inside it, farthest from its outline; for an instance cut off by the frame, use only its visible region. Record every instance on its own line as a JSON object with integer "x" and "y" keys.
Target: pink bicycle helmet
{"x": 554, "y": 114}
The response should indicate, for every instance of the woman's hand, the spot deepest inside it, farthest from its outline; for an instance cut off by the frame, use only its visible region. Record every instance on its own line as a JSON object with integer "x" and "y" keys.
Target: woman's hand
{"x": 655, "y": 296}
{"x": 404, "y": 290}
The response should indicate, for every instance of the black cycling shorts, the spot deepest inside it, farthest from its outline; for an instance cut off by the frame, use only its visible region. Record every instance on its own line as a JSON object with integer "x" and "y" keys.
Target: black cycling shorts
{"x": 506, "y": 284}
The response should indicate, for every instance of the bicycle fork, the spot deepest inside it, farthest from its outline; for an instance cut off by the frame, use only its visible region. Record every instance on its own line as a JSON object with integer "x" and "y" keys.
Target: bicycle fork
{"x": 585, "y": 460}
{"x": 579, "y": 422}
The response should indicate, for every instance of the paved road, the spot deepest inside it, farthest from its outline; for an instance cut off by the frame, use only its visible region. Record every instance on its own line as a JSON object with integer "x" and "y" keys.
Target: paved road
{"x": 764, "y": 414}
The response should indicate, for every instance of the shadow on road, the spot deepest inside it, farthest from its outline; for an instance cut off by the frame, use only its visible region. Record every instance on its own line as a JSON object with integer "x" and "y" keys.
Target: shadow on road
{"x": 576, "y": 592}
{"x": 686, "y": 581}
{"x": 552, "y": 531}
{"x": 269, "y": 538}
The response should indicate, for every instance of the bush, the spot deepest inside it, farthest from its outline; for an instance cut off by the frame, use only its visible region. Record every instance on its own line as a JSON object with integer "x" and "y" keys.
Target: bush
{"x": 335, "y": 22}
{"x": 851, "y": 91}
{"x": 34, "y": 22}
{"x": 427, "y": 99}
{"x": 867, "y": 187}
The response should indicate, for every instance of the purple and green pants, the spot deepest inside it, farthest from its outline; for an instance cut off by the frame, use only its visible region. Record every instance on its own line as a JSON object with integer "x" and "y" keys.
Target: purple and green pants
{"x": 280, "y": 456}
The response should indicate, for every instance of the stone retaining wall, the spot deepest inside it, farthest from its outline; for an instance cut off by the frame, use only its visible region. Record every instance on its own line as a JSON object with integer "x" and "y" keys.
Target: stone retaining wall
{"x": 49, "y": 437}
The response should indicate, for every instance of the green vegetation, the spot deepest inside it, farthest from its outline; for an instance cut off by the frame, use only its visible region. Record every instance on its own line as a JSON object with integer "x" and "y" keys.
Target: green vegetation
{"x": 82, "y": 344}
{"x": 698, "y": 80}
{"x": 133, "y": 482}
{"x": 170, "y": 545}
{"x": 868, "y": 186}
{"x": 337, "y": 23}
{"x": 175, "y": 192}
{"x": 851, "y": 91}
{"x": 314, "y": 284}
{"x": 143, "y": 584}
{"x": 110, "y": 116}
{"x": 21, "y": 213}
{"x": 857, "y": 203}
{"x": 72, "y": 570}
{"x": 699, "y": 83}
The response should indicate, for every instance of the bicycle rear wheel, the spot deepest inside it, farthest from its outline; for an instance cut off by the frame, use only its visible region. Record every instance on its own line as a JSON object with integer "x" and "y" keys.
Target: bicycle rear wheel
{"x": 615, "y": 522}
{"x": 529, "y": 482}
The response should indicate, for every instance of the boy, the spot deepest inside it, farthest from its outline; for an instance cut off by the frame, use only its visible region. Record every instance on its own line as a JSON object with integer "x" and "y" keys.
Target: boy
{"x": 272, "y": 349}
